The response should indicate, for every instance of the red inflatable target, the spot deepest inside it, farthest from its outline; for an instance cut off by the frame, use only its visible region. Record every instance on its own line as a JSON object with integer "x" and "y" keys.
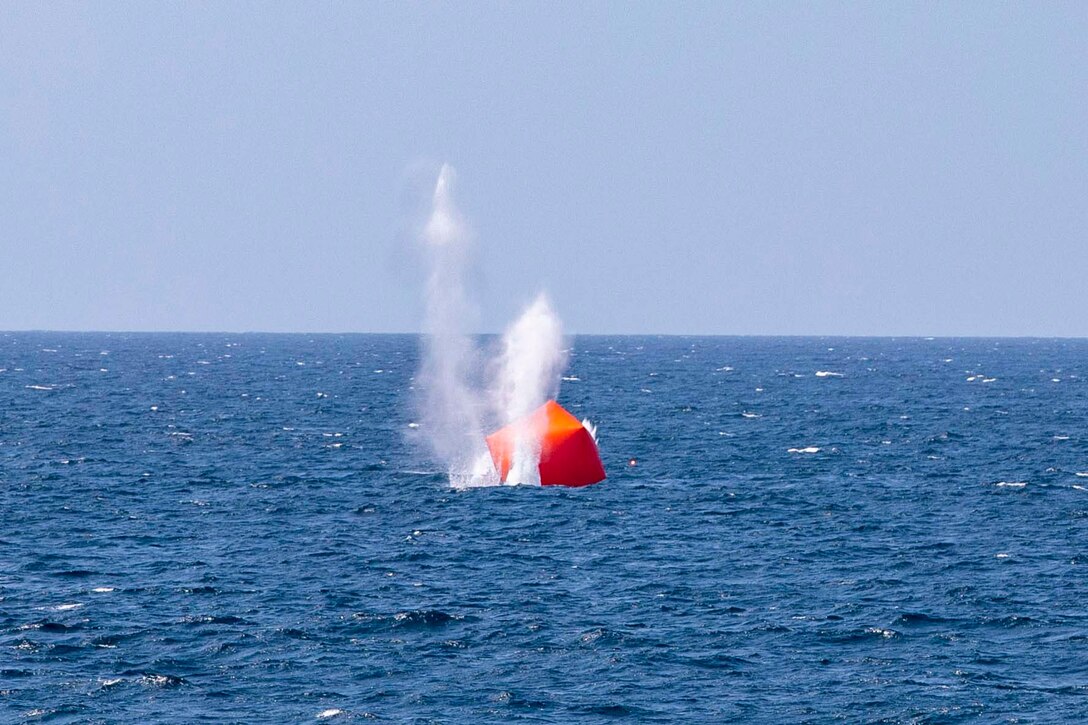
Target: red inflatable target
{"x": 568, "y": 453}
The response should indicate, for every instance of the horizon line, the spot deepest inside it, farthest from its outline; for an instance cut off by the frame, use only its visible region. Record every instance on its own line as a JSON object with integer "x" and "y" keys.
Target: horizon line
{"x": 999, "y": 336}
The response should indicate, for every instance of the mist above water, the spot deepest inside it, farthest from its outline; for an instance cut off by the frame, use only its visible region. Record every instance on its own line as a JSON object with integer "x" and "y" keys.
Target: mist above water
{"x": 460, "y": 405}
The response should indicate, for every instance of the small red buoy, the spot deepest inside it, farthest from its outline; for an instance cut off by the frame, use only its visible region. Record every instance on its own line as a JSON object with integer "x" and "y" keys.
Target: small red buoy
{"x": 568, "y": 453}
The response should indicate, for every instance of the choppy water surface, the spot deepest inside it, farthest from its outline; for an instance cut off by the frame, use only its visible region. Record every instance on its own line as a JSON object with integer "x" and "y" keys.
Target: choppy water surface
{"x": 243, "y": 528}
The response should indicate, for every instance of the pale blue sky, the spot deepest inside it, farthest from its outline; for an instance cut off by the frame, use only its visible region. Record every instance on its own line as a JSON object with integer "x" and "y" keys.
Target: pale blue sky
{"x": 753, "y": 168}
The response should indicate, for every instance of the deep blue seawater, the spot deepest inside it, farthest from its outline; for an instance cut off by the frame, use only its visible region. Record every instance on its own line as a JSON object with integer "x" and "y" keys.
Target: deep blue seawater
{"x": 245, "y": 528}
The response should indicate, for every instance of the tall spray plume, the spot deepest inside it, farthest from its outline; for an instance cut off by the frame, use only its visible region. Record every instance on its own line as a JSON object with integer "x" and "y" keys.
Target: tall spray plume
{"x": 450, "y": 403}
{"x": 459, "y": 403}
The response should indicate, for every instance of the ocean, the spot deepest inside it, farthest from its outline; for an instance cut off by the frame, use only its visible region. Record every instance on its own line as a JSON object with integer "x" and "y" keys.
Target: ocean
{"x": 249, "y": 528}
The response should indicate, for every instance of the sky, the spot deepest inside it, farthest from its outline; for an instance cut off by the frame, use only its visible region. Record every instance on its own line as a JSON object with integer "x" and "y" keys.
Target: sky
{"x": 768, "y": 168}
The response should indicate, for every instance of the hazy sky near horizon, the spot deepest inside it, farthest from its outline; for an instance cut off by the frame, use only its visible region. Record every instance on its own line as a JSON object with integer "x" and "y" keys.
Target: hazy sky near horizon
{"x": 734, "y": 168}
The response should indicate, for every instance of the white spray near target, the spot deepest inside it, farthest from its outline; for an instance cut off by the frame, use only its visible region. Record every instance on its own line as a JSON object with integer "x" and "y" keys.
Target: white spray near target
{"x": 530, "y": 367}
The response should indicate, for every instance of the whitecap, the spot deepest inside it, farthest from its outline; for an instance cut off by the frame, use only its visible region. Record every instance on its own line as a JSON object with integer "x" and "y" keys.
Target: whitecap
{"x": 158, "y": 680}
{"x": 331, "y": 712}
{"x": 1011, "y": 484}
{"x": 807, "y": 449}
{"x": 39, "y": 387}
{"x": 102, "y": 590}
{"x": 1082, "y": 474}
{"x": 413, "y": 425}
{"x": 62, "y": 607}
{"x": 885, "y": 633}
{"x": 571, "y": 378}
{"x": 746, "y": 414}
{"x": 828, "y": 374}
{"x": 1061, "y": 438}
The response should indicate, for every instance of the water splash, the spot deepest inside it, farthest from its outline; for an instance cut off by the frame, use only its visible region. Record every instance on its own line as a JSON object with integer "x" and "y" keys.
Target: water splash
{"x": 524, "y": 372}
{"x": 530, "y": 365}
{"x": 450, "y": 404}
